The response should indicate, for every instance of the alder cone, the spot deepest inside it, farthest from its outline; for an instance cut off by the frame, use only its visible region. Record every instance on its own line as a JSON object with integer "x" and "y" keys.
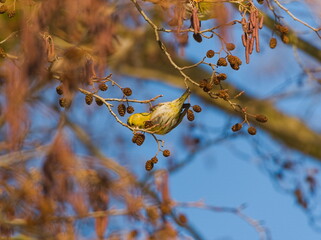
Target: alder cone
{"x": 149, "y": 165}
{"x": 221, "y": 62}
{"x": 210, "y": 53}
{"x": 197, "y": 37}
{"x": 127, "y": 91}
{"x": 130, "y": 109}
{"x": 261, "y": 118}
{"x": 237, "y": 127}
{"x": 103, "y": 87}
{"x": 99, "y": 102}
{"x": 190, "y": 115}
{"x": 273, "y": 43}
{"x": 230, "y": 46}
{"x": 251, "y": 130}
{"x": 197, "y": 108}
{"x": 121, "y": 109}
{"x": 89, "y": 99}
{"x": 166, "y": 153}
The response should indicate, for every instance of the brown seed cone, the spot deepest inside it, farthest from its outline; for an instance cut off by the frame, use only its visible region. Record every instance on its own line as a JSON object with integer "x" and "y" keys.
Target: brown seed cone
{"x": 221, "y": 76}
{"x": 154, "y": 159}
{"x": 273, "y": 43}
{"x": 140, "y": 139}
{"x": 235, "y": 66}
{"x": 190, "y": 115}
{"x": 210, "y": 53}
{"x": 281, "y": 28}
{"x": 130, "y": 109}
{"x": 221, "y": 62}
{"x": 127, "y": 91}
{"x": 121, "y": 109}
{"x": 208, "y": 87}
{"x": 197, "y": 37}
{"x": 134, "y": 138}
{"x": 285, "y": 38}
{"x": 285, "y": 29}
{"x": 182, "y": 219}
{"x": 261, "y": 118}
{"x": 149, "y": 165}
{"x": 103, "y": 87}
{"x": 99, "y": 102}
{"x": 166, "y": 153}
{"x": 236, "y": 127}
{"x": 203, "y": 83}
{"x": 59, "y": 90}
{"x": 238, "y": 60}
{"x": 230, "y": 46}
{"x": 251, "y": 130}
{"x": 231, "y": 59}
{"x": 64, "y": 102}
{"x": 197, "y": 108}
{"x": 89, "y": 99}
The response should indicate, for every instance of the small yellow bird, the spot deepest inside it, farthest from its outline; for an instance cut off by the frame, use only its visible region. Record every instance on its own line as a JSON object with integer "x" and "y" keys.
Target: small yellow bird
{"x": 163, "y": 117}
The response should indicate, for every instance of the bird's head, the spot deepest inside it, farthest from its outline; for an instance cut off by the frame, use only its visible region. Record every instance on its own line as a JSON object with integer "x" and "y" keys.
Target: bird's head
{"x": 138, "y": 120}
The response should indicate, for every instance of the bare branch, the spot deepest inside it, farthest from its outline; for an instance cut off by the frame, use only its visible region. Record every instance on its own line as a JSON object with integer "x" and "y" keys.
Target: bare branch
{"x": 316, "y": 30}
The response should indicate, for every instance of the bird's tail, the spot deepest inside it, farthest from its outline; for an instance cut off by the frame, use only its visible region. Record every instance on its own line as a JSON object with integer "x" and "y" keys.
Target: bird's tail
{"x": 184, "y": 96}
{"x": 183, "y": 107}
{"x": 178, "y": 103}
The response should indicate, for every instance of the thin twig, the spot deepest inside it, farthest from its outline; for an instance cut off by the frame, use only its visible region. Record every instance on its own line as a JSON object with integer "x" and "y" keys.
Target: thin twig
{"x": 161, "y": 44}
{"x": 108, "y": 105}
{"x": 160, "y": 144}
{"x": 262, "y": 231}
{"x": 316, "y": 30}
{"x": 193, "y": 65}
{"x": 133, "y": 100}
